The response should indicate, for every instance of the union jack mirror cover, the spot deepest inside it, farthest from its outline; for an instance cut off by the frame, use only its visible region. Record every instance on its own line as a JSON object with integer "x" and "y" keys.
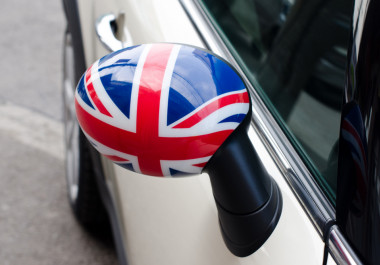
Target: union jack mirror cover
{"x": 160, "y": 109}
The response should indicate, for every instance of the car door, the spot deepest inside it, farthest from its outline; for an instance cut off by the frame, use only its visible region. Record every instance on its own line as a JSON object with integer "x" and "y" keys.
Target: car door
{"x": 296, "y": 89}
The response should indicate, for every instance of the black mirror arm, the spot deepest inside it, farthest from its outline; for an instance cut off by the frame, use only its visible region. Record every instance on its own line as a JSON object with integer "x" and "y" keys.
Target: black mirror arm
{"x": 249, "y": 202}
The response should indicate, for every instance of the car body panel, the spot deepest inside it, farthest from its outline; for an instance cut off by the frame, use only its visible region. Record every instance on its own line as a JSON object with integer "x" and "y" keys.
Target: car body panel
{"x": 330, "y": 260}
{"x": 174, "y": 221}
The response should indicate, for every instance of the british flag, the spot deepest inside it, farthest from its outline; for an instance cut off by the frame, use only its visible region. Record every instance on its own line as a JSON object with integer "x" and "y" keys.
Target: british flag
{"x": 354, "y": 137}
{"x": 160, "y": 109}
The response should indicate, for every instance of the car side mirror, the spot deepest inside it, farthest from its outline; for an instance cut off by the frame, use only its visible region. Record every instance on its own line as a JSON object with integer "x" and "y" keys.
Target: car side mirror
{"x": 173, "y": 110}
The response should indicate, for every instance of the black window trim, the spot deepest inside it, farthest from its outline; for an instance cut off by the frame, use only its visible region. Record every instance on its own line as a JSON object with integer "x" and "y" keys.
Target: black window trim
{"x": 316, "y": 205}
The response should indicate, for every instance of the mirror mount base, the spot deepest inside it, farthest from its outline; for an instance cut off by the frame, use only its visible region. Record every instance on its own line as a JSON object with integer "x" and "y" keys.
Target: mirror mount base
{"x": 244, "y": 234}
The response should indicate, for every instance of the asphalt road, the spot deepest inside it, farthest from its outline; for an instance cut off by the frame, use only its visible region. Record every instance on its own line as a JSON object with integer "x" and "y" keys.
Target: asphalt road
{"x": 36, "y": 223}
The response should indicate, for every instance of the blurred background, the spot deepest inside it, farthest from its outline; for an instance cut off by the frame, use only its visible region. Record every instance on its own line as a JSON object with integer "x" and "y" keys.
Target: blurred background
{"x": 36, "y": 222}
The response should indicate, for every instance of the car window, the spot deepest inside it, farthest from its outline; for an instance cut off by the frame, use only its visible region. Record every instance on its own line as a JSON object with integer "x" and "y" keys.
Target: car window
{"x": 294, "y": 52}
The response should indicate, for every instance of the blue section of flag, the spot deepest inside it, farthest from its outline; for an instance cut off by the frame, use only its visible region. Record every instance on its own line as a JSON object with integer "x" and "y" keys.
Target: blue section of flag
{"x": 134, "y": 52}
{"x": 119, "y": 90}
{"x": 82, "y": 91}
{"x": 174, "y": 172}
{"x": 234, "y": 118}
{"x": 117, "y": 77}
{"x": 178, "y": 106}
{"x": 128, "y": 166}
{"x": 214, "y": 78}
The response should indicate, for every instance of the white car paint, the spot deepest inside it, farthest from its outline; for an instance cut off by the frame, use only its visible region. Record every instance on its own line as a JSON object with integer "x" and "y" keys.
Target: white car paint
{"x": 174, "y": 221}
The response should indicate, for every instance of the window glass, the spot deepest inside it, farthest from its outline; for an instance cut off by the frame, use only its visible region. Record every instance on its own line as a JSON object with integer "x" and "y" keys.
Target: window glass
{"x": 294, "y": 52}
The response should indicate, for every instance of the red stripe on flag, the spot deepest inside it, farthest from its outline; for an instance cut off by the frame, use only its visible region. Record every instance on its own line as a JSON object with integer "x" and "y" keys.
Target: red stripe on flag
{"x": 148, "y": 107}
{"x": 117, "y": 158}
{"x": 91, "y": 91}
{"x": 202, "y": 165}
{"x": 212, "y": 107}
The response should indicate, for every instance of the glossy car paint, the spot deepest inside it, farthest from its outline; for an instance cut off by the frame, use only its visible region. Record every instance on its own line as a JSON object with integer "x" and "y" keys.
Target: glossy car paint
{"x": 358, "y": 212}
{"x": 174, "y": 221}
